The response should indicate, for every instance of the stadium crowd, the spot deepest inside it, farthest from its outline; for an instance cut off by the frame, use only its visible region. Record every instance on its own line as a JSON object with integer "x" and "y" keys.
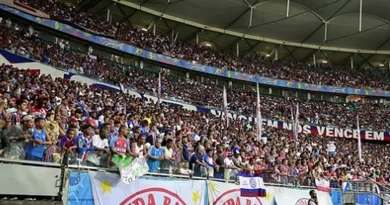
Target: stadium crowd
{"x": 251, "y": 64}
{"x": 45, "y": 119}
{"x": 241, "y": 101}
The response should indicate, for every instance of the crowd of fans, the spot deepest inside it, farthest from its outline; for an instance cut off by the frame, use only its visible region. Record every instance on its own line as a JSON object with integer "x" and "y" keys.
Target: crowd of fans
{"x": 46, "y": 119}
{"x": 241, "y": 101}
{"x": 252, "y": 64}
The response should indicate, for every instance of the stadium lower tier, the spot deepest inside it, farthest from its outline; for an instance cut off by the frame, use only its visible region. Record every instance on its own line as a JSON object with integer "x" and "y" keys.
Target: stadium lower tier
{"x": 372, "y": 114}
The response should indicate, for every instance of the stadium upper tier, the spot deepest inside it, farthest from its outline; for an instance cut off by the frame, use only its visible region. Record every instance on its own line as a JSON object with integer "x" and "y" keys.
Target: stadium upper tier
{"x": 254, "y": 65}
{"x": 372, "y": 113}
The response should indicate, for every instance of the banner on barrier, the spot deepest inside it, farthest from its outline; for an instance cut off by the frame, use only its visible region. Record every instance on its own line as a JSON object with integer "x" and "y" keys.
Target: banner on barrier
{"x": 110, "y": 189}
{"x": 323, "y": 185}
{"x": 291, "y": 196}
{"x": 130, "y": 171}
{"x": 221, "y": 193}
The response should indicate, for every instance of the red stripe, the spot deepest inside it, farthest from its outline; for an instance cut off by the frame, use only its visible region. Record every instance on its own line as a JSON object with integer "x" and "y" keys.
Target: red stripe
{"x": 245, "y": 194}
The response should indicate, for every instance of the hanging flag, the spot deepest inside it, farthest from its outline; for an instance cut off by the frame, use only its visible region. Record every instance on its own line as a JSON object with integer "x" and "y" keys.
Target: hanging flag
{"x": 121, "y": 87}
{"x": 225, "y": 107}
{"x": 292, "y": 120}
{"x": 359, "y": 140}
{"x": 296, "y": 124}
{"x": 159, "y": 88}
{"x": 258, "y": 115}
{"x": 251, "y": 186}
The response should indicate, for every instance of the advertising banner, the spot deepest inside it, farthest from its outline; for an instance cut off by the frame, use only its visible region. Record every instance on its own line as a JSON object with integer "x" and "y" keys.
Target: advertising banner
{"x": 110, "y": 189}
{"x": 221, "y": 193}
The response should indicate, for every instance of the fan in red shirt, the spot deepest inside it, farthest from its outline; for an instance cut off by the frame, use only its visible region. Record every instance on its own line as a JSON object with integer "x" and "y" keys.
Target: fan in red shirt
{"x": 39, "y": 106}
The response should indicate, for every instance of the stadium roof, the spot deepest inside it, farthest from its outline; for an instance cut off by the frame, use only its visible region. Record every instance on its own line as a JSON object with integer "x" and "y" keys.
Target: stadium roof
{"x": 333, "y": 30}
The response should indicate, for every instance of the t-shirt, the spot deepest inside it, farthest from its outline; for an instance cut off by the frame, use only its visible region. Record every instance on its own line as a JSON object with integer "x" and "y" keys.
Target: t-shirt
{"x": 37, "y": 150}
{"x": 99, "y": 143}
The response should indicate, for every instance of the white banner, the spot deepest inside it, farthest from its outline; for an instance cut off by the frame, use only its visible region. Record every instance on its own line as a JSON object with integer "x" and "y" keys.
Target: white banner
{"x": 109, "y": 189}
{"x": 137, "y": 168}
{"x": 323, "y": 185}
{"x": 291, "y": 196}
{"x": 221, "y": 193}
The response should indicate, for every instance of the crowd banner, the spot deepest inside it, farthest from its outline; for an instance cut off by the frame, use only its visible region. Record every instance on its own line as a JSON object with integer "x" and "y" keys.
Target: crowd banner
{"x": 110, "y": 189}
{"x": 323, "y": 185}
{"x": 130, "y": 171}
{"x": 143, "y": 53}
{"x": 222, "y": 193}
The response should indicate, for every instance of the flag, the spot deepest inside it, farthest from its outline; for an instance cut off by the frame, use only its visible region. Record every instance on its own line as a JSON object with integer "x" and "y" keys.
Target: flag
{"x": 121, "y": 87}
{"x": 225, "y": 106}
{"x": 258, "y": 115}
{"x": 296, "y": 124}
{"x": 159, "y": 88}
{"x": 130, "y": 171}
{"x": 359, "y": 140}
{"x": 251, "y": 186}
{"x": 323, "y": 185}
{"x": 292, "y": 121}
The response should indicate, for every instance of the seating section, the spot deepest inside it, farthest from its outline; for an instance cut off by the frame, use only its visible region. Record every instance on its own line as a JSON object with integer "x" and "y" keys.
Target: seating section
{"x": 46, "y": 119}
{"x": 251, "y": 64}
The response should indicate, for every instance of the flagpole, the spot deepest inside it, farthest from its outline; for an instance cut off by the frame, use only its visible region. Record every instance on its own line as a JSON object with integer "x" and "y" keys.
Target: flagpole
{"x": 296, "y": 122}
{"x": 225, "y": 107}
{"x": 292, "y": 120}
{"x": 258, "y": 115}
{"x": 359, "y": 140}
{"x": 159, "y": 89}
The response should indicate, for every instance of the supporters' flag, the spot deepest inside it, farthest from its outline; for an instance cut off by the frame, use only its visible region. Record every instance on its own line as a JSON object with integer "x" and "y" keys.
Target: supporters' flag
{"x": 258, "y": 115}
{"x": 225, "y": 106}
{"x": 292, "y": 120}
{"x": 359, "y": 140}
{"x": 121, "y": 87}
{"x": 296, "y": 124}
{"x": 251, "y": 186}
{"x": 159, "y": 88}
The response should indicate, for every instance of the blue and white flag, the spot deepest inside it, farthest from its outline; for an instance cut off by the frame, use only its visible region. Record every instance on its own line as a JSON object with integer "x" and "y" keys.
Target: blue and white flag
{"x": 252, "y": 186}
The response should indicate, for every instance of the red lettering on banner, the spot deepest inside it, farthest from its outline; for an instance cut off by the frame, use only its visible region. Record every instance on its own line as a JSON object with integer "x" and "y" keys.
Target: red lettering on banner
{"x": 151, "y": 200}
{"x": 232, "y": 197}
{"x": 138, "y": 201}
{"x": 150, "y": 194}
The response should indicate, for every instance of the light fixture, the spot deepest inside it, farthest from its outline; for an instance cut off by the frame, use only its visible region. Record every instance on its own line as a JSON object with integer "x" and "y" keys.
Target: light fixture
{"x": 324, "y": 61}
{"x": 381, "y": 65}
{"x": 208, "y": 44}
{"x": 144, "y": 29}
{"x": 267, "y": 55}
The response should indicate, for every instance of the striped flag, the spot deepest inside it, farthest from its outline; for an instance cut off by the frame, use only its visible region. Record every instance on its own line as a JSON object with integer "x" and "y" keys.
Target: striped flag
{"x": 251, "y": 186}
{"x": 258, "y": 115}
{"x": 225, "y": 106}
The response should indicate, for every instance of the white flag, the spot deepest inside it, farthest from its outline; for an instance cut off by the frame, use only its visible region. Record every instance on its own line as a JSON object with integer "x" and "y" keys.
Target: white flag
{"x": 225, "y": 106}
{"x": 159, "y": 88}
{"x": 359, "y": 140}
{"x": 258, "y": 115}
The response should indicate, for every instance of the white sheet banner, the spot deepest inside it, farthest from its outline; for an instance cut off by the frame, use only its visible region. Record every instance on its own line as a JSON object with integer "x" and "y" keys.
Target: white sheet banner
{"x": 323, "y": 185}
{"x": 221, "y": 193}
{"x": 110, "y": 189}
{"x": 137, "y": 168}
{"x": 291, "y": 196}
